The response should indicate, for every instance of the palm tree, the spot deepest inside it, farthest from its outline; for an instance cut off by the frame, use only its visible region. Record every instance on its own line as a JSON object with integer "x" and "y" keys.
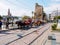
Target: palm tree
{"x": 32, "y": 13}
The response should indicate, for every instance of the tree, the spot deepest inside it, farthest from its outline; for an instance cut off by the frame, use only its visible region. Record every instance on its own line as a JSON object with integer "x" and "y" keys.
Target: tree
{"x": 44, "y": 16}
{"x": 16, "y": 17}
{"x": 25, "y": 17}
{"x": 56, "y": 17}
{"x": 1, "y": 17}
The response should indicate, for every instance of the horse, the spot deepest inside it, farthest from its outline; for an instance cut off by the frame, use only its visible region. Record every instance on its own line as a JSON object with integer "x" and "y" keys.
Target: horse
{"x": 26, "y": 23}
{"x": 20, "y": 24}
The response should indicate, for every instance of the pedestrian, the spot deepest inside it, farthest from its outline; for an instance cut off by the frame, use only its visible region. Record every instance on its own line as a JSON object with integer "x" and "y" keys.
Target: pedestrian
{"x": 7, "y": 25}
{"x": 0, "y": 24}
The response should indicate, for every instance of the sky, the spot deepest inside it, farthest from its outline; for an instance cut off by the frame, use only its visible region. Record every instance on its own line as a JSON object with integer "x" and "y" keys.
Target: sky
{"x": 25, "y": 7}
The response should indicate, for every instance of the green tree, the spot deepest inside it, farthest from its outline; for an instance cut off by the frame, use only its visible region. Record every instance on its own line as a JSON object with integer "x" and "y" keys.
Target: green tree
{"x": 16, "y": 17}
{"x": 56, "y": 17}
{"x": 44, "y": 16}
{"x": 25, "y": 17}
{"x": 1, "y": 17}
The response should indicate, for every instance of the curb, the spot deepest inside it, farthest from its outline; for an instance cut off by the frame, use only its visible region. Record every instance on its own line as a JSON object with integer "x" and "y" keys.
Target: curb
{"x": 7, "y": 30}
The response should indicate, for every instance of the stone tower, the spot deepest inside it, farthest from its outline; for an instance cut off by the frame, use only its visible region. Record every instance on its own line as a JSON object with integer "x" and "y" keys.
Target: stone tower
{"x": 38, "y": 12}
{"x": 9, "y": 14}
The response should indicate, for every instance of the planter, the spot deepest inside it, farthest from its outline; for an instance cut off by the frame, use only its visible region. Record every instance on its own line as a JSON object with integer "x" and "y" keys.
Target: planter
{"x": 54, "y": 26}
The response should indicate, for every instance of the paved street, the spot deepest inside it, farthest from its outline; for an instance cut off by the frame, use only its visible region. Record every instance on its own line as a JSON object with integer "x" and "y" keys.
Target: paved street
{"x": 29, "y": 22}
{"x": 16, "y": 37}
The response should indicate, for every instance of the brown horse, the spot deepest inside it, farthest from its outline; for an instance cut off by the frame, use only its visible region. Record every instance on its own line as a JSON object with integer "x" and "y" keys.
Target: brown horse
{"x": 21, "y": 23}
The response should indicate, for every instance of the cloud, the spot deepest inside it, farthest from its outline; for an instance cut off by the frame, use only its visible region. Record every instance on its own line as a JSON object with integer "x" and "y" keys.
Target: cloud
{"x": 3, "y": 8}
{"x": 55, "y": 0}
{"x": 52, "y": 7}
{"x": 21, "y": 12}
{"x": 15, "y": 11}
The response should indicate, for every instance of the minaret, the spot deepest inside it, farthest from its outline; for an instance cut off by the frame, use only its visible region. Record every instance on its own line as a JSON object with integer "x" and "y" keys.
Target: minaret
{"x": 9, "y": 14}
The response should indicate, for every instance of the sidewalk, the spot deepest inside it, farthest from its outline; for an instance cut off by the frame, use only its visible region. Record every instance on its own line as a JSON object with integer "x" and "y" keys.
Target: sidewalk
{"x": 10, "y": 28}
{"x": 29, "y": 38}
{"x": 54, "y": 42}
{"x": 5, "y": 40}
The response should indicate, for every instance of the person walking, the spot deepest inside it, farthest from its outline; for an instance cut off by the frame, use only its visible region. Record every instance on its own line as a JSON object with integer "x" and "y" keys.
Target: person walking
{"x": 0, "y": 24}
{"x": 7, "y": 25}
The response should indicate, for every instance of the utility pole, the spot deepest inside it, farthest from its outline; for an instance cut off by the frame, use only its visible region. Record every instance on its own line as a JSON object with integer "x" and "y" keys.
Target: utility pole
{"x": 57, "y": 15}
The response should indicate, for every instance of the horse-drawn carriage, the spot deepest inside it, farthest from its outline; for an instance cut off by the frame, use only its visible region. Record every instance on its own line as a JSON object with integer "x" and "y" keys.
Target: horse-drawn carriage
{"x": 25, "y": 23}
{"x": 28, "y": 23}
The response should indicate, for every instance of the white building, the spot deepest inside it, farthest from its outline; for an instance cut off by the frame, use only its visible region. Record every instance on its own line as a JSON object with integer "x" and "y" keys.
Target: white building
{"x": 55, "y": 13}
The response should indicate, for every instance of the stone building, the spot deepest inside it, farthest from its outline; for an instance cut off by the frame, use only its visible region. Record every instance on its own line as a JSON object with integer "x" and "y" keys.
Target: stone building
{"x": 38, "y": 14}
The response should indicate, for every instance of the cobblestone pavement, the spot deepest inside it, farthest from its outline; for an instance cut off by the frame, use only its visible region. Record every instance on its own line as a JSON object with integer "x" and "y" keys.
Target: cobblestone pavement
{"x": 54, "y": 42}
{"x": 13, "y": 37}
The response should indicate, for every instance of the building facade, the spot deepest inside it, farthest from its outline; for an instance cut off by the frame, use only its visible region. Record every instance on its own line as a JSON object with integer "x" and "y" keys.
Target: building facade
{"x": 55, "y": 13}
{"x": 38, "y": 12}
